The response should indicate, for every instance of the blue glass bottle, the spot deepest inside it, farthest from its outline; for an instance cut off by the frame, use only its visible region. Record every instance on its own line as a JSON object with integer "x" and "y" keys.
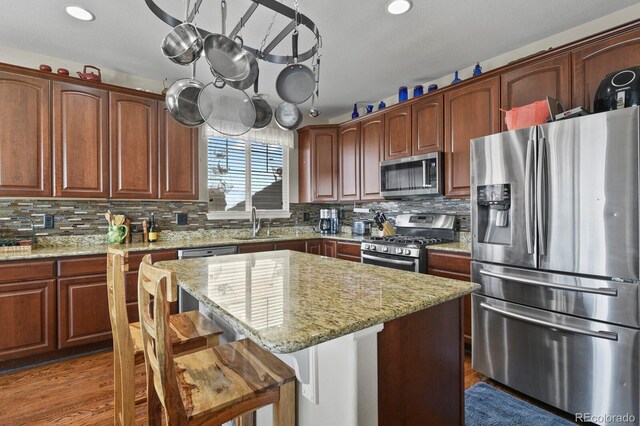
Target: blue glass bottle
{"x": 418, "y": 90}
{"x": 381, "y": 105}
{"x": 355, "y": 114}
{"x": 403, "y": 94}
{"x": 456, "y": 79}
{"x": 477, "y": 70}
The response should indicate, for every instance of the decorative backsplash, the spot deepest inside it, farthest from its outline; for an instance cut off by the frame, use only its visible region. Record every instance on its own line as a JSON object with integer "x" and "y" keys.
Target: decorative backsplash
{"x": 86, "y": 217}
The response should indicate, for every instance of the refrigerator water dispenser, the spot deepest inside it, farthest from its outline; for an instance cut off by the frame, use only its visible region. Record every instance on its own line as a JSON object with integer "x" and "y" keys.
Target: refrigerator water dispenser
{"x": 494, "y": 206}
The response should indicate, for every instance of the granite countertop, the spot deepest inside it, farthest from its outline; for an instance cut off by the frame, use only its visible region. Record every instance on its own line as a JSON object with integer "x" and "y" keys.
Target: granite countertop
{"x": 178, "y": 243}
{"x": 286, "y": 301}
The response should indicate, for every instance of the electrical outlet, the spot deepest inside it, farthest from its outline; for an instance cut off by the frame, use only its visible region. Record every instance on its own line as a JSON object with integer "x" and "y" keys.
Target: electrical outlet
{"x": 48, "y": 221}
{"x": 182, "y": 219}
{"x": 306, "y": 217}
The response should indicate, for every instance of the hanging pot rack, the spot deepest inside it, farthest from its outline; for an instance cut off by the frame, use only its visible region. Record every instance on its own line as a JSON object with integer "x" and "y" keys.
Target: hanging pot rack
{"x": 264, "y": 54}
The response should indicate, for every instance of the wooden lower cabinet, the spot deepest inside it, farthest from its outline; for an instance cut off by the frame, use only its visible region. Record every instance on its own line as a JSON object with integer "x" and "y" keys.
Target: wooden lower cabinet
{"x": 296, "y": 245}
{"x": 348, "y": 251}
{"x": 83, "y": 311}
{"x": 313, "y": 246}
{"x": 458, "y": 267}
{"x": 27, "y": 318}
{"x": 329, "y": 248}
{"x": 255, "y": 247}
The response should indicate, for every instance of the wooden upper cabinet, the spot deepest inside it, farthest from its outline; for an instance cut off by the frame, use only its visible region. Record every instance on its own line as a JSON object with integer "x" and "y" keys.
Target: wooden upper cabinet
{"x": 397, "y": 133}
{"x": 324, "y": 163}
{"x": 371, "y": 154}
{"x": 349, "y": 162}
{"x": 25, "y": 136}
{"x": 305, "y": 194}
{"x": 531, "y": 83}
{"x": 80, "y": 141}
{"x": 469, "y": 112}
{"x": 134, "y": 147}
{"x": 593, "y": 62}
{"x": 178, "y": 158}
{"x": 427, "y": 123}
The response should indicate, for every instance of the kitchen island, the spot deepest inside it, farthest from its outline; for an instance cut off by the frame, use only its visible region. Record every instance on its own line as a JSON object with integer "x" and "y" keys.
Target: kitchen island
{"x": 347, "y": 328}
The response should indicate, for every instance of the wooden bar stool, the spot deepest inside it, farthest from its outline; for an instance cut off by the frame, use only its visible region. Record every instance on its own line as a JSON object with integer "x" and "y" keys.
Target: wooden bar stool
{"x": 188, "y": 331}
{"x": 211, "y": 386}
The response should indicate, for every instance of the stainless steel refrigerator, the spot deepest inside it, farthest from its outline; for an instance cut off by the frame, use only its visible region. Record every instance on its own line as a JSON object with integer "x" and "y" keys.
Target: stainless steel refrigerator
{"x": 555, "y": 248}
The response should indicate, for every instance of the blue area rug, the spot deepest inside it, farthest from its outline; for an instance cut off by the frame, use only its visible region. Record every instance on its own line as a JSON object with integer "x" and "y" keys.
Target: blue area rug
{"x": 488, "y": 406}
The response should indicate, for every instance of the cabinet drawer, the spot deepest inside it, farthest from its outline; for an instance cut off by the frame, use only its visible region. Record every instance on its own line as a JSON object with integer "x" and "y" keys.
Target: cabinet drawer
{"x": 459, "y": 265}
{"x": 291, "y": 245}
{"x": 254, "y": 248}
{"x": 348, "y": 249}
{"x": 156, "y": 256}
{"x": 27, "y": 271}
{"x": 82, "y": 266}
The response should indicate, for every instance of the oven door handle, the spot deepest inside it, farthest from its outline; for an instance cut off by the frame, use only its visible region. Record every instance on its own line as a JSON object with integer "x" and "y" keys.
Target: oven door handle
{"x": 386, "y": 259}
{"x": 609, "y": 335}
{"x": 600, "y": 291}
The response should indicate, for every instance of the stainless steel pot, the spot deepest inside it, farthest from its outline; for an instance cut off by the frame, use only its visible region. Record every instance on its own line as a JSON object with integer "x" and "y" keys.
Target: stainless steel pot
{"x": 183, "y": 45}
{"x": 264, "y": 113}
{"x": 288, "y": 116}
{"x": 228, "y": 111}
{"x": 182, "y": 100}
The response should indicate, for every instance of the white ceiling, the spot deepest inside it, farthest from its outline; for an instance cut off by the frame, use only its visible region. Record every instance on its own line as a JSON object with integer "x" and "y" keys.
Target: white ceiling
{"x": 367, "y": 52}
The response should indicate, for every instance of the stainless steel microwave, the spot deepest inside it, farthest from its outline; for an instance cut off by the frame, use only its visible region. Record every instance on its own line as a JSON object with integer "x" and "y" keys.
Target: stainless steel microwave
{"x": 420, "y": 175}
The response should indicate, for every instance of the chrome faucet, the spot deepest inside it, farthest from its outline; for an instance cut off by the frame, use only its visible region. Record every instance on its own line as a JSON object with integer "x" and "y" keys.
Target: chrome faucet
{"x": 255, "y": 222}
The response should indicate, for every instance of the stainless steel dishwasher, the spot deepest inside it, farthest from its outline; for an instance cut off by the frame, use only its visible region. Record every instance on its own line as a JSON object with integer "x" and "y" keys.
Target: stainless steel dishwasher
{"x": 187, "y": 302}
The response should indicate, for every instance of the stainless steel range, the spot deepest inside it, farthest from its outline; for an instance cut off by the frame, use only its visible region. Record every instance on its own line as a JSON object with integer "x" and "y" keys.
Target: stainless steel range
{"x": 407, "y": 249}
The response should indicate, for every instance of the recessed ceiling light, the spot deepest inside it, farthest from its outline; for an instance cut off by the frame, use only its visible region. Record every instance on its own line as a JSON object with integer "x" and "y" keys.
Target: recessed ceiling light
{"x": 79, "y": 13}
{"x": 398, "y": 7}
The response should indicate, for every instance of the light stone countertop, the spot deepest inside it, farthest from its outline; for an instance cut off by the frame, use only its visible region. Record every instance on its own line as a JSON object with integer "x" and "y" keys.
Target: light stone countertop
{"x": 287, "y": 301}
{"x": 177, "y": 243}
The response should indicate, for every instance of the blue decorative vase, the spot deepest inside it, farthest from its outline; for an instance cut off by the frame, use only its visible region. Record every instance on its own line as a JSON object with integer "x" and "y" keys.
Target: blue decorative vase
{"x": 355, "y": 114}
{"x": 456, "y": 79}
{"x": 418, "y": 90}
{"x": 403, "y": 94}
{"x": 381, "y": 105}
{"x": 477, "y": 70}
{"x": 432, "y": 87}
{"x": 369, "y": 109}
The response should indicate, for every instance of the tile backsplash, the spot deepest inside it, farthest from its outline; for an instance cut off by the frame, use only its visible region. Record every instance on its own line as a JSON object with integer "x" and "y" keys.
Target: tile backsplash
{"x": 86, "y": 217}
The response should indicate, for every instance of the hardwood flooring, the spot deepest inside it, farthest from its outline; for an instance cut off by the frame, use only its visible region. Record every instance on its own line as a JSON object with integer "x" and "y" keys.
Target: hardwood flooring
{"x": 79, "y": 391}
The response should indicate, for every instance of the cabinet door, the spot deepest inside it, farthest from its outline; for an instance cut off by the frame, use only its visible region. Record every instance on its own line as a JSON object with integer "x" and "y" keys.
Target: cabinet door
{"x": 27, "y": 315}
{"x": 427, "y": 125}
{"x": 397, "y": 133}
{"x": 324, "y": 160}
{"x": 80, "y": 141}
{"x": 313, "y": 246}
{"x": 531, "y": 83}
{"x": 371, "y": 154}
{"x": 178, "y": 158}
{"x": 349, "y": 162}
{"x": 25, "y": 136}
{"x": 305, "y": 193}
{"x": 329, "y": 248}
{"x": 134, "y": 147}
{"x": 593, "y": 62}
{"x": 457, "y": 267}
{"x": 298, "y": 245}
{"x": 348, "y": 251}
{"x": 83, "y": 311}
{"x": 469, "y": 112}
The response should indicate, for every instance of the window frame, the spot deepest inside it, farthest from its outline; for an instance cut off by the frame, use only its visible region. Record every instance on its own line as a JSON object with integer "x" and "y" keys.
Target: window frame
{"x": 283, "y": 213}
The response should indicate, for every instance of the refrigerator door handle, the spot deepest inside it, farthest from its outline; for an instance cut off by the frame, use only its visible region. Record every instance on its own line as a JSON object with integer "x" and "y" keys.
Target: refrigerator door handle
{"x": 528, "y": 196}
{"x": 600, "y": 291}
{"x": 541, "y": 196}
{"x": 609, "y": 335}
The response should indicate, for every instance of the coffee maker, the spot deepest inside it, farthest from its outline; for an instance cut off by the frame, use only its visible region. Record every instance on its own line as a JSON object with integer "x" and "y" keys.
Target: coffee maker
{"x": 324, "y": 225}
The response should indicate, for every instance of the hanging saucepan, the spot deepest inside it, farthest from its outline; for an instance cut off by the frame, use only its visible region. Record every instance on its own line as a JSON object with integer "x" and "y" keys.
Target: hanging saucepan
{"x": 182, "y": 100}
{"x": 264, "y": 113}
{"x": 228, "y": 111}
{"x": 183, "y": 45}
{"x": 296, "y": 83}
{"x": 288, "y": 116}
{"x": 226, "y": 58}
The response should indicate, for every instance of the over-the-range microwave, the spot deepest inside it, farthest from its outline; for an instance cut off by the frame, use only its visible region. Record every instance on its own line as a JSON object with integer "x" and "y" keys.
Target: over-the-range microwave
{"x": 420, "y": 175}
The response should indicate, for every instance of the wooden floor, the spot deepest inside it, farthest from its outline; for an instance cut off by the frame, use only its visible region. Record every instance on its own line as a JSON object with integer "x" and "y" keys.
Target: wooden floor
{"x": 79, "y": 391}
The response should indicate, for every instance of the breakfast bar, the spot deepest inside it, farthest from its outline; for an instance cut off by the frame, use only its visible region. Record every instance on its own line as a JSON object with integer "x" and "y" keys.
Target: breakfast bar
{"x": 347, "y": 329}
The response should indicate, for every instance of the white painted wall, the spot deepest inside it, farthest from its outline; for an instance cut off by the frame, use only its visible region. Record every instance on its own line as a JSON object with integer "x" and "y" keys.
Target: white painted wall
{"x": 601, "y": 24}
